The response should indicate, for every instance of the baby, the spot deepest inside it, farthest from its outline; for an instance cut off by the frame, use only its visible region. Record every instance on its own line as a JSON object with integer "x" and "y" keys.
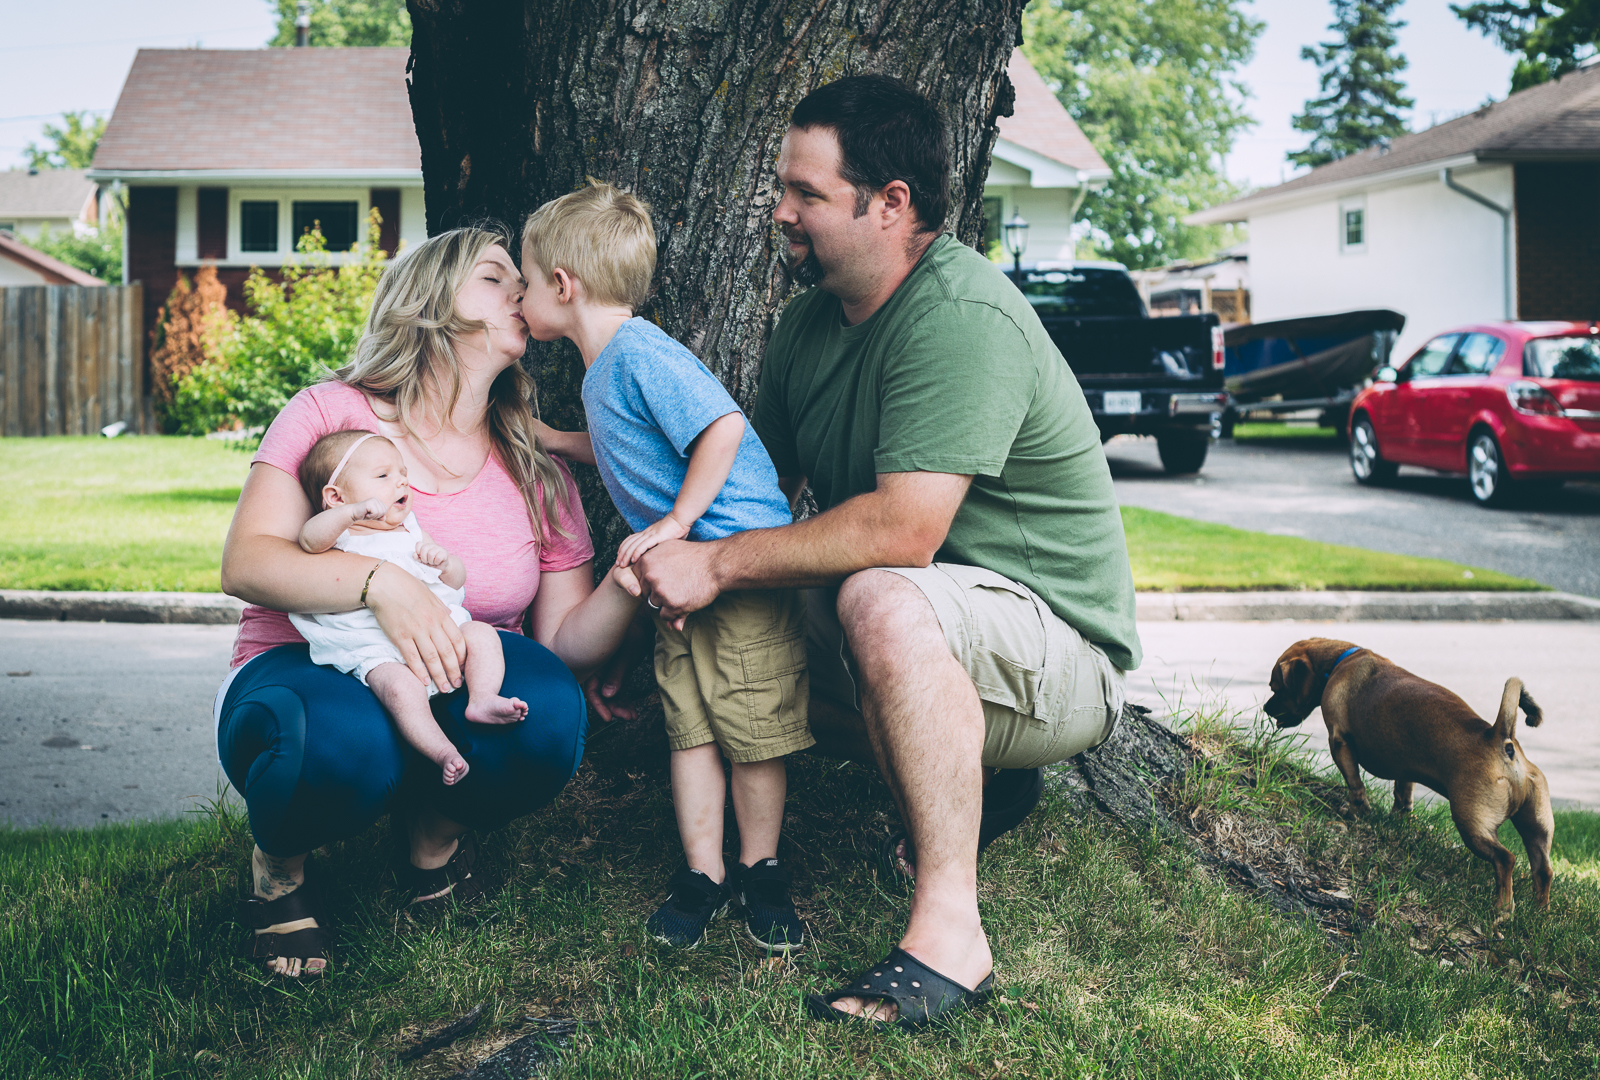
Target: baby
{"x": 358, "y": 479}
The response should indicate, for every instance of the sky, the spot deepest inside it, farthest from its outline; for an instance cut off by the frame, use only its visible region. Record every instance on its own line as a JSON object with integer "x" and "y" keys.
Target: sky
{"x": 73, "y": 54}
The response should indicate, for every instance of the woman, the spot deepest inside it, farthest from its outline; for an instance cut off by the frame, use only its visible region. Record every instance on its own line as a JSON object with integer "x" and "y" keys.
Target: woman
{"x": 311, "y": 750}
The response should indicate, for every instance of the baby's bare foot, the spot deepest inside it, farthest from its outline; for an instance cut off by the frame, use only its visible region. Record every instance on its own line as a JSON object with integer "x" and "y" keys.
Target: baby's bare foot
{"x": 497, "y": 710}
{"x": 454, "y": 767}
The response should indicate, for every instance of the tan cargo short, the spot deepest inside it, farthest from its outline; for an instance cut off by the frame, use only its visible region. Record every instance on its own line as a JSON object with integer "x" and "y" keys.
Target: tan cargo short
{"x": 735, "y": 675}
{"x": 1047, "y": 693}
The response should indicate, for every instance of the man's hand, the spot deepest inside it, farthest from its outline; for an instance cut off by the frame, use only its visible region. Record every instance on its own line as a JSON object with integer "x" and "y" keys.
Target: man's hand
{"x": 679, "y": 577}
{"x": 668, "y": 528}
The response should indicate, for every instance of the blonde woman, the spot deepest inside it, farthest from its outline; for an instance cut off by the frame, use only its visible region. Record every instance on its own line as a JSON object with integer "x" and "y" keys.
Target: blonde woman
{"x": 313, "y": 753}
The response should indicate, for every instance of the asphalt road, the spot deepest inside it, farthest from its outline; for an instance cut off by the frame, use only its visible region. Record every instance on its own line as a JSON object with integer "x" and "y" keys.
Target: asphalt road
{"x": 113, "y": 721}
{"x": 1293, "y": 489}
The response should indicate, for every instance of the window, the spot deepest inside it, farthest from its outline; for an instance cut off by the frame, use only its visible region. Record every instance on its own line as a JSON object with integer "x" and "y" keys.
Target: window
{"x": 258, "y": 226}
{"x": 992, "y": 209}
{"x": 1479, "y": 354}
{"x": 1432, "y": 358}
{"x": 337, "y": 220}
{"x": 1563, "y": 358}
{"x": 1353, "y": 226}
{"x": 1082, "y": 292}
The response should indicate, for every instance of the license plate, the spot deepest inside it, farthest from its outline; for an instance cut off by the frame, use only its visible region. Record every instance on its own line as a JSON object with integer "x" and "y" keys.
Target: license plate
{"x": 1122, "y": 402}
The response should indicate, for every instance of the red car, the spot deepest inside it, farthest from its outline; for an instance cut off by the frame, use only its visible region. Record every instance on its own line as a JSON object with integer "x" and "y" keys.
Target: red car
{"x": 1512, "y": 404}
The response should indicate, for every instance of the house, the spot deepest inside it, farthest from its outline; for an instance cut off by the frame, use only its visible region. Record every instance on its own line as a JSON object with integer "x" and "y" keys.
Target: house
{"x": 228, "y": 156}
{"x": 1220, "y": 284}
{"x": 22, "y": 265}
{"x": 1042, "y": 166}
{"x": 60, "y": 200}
{"x": 1489, "y": 216}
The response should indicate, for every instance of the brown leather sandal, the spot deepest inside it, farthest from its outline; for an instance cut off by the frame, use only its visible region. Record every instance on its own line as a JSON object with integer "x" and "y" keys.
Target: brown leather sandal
{"x": 310, "y": 943}
{"x": 459, "y": 880}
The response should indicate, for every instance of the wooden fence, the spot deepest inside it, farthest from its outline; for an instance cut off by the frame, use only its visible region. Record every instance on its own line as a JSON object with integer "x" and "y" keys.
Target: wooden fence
{"x": 71, "y": 359}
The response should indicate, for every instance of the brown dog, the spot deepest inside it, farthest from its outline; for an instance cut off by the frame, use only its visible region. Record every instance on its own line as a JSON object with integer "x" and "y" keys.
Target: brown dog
{"x": 1399, "y": 727}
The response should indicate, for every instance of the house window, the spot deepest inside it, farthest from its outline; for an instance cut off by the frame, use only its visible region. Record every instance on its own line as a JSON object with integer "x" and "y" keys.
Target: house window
{"x": 258, "y": 226}
{"x": 1353, "y": 226}
{"x": 992, "y": 211}
{"x": 337, "y": 220}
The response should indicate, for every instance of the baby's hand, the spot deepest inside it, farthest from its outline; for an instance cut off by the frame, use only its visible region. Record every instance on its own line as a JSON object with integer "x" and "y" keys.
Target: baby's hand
{"x": 371, "y": 510}
{"x": 431, "y": 554}
{"x": 636, "y": 545}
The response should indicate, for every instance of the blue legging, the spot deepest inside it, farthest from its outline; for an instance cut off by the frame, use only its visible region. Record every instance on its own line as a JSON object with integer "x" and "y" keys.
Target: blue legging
{"x": 317, "y": 759}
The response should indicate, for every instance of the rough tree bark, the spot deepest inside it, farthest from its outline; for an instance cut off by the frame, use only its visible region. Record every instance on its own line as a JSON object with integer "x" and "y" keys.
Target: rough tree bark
{"x": 683, "y": 102}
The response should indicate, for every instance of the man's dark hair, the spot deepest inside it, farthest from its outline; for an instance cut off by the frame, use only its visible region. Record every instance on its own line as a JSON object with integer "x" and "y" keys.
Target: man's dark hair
{"x": 886, "y": 131}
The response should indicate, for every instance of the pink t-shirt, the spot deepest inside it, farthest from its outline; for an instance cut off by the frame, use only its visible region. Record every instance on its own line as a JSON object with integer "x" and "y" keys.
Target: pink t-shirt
{"x": 486, "y": 523}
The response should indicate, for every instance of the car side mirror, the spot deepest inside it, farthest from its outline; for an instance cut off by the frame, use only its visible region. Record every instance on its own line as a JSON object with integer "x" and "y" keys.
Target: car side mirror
{"x": 1386, "y": 374}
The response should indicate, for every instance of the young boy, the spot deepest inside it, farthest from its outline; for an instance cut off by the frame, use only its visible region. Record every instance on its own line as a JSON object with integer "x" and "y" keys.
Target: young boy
{"x": 679, "y": 461}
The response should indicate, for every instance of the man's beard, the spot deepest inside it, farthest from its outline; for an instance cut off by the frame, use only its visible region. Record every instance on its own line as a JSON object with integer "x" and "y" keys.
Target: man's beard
{"x": 808, "y": 271}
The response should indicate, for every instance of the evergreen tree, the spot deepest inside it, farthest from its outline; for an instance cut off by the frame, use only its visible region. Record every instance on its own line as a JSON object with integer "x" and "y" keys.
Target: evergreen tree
{"x": 338, "y": 23}
{"x": 1553, "y": 39}
{"x": 1151, "y": 83}
{"x": 1362, "y": 92}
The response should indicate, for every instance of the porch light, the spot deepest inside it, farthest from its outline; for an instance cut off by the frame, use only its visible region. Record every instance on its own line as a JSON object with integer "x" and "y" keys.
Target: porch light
{"x": 1016, "y": 241}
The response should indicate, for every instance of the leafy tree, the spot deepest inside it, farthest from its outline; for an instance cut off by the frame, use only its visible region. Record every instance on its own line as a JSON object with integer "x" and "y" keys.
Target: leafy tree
{"x": 70, "y": 146}
{"x": 338, "y": 23}
{"x": 1362, "y": 93}
{"x": 99, "y": 253}
{"x": 1552, "y": 38}
{"x": 1151, "y": 84}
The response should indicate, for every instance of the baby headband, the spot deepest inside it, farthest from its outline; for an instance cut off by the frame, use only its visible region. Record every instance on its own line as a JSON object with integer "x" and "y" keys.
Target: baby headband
{"x": 337, "y": 468}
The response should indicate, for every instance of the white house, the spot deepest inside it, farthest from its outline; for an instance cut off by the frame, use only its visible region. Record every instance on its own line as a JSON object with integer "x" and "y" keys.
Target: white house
{"x": 1490, "y": 216}
{"x": 1042, "y": 167}
{"x": 60, "y": 200}
{"x": 229, "y": 155}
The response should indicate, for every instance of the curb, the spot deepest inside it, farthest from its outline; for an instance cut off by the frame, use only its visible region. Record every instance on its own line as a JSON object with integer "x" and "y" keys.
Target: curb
{"x": 217, "y": 609}
{"x": 1365, "y": 606}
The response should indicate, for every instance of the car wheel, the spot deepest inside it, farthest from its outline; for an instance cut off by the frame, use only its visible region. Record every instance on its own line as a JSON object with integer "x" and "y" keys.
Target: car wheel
{"x": 1365, "y": 461}
{"x": 1486, "y": 470}
{"x": 1182, "y": 452}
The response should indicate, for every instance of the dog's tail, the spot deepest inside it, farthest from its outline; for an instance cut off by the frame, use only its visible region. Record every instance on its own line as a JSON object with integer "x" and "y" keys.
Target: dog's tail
{"x": 1505, "y": 725}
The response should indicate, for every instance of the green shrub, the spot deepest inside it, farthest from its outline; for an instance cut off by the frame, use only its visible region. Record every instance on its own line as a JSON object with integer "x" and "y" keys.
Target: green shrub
{"x": 299, "y": 328}
{"x": 99, "y": 254}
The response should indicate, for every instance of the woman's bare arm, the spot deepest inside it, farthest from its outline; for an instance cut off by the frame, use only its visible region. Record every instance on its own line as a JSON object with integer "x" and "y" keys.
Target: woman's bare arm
{"x": 581, "y": 624}
{"x": 263, "y": 564}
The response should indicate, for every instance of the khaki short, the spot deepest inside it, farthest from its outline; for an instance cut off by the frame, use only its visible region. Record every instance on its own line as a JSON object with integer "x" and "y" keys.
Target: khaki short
{"x": 736, "y": 675}
{"x": 1047, "y": 693}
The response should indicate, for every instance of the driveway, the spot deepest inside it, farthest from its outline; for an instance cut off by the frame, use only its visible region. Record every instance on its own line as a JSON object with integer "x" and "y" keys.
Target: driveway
{"x": 1293, "y": 489}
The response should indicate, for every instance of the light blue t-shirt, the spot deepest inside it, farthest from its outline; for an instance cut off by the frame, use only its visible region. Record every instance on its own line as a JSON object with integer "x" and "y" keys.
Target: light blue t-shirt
{"x": 647, "y": 398}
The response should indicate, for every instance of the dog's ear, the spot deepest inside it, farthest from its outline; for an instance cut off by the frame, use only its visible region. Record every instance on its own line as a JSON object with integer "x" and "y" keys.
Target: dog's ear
{"x": 1297, "y": 677}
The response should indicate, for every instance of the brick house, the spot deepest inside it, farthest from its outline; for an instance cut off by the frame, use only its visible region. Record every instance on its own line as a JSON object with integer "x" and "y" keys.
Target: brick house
{"x": 1492, "y": 215}
{"x": 229, "y": 155}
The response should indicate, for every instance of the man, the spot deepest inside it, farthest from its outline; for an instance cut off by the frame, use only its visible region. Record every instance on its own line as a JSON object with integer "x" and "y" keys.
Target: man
{"x": 973, "y": 607}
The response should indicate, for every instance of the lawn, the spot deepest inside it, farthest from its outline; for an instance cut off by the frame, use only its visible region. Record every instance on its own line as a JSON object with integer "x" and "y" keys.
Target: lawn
{"x": 1117, "y": 955}
{"x": 150, "y": 514}
{"x": 1288, "y": 434}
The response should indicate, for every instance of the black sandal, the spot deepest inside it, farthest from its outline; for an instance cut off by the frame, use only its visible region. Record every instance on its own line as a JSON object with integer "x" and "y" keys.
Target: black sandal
{"x": 303, "y": 945}
{"x": 920, "y": 994}
{"x": 1008, "y": 799}
{"x": 459, "y": 881}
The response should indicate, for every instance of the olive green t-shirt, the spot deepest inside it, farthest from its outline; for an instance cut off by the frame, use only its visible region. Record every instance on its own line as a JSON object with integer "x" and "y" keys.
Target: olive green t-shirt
{"x": 955, "y": 374}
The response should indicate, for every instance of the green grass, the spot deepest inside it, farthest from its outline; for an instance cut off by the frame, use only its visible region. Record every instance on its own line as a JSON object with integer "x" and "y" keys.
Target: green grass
{"x": 150, "y": 514}
{"x": 1117, "y": 955}
{"x": 1289, "y": 434}
{"x": 1171, "y": 553}
{"x": 133, "y": 513}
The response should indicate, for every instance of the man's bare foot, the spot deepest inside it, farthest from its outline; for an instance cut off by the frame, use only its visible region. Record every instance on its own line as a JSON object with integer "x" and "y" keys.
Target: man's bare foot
{"x": 496, "y": 710}
{"x": 271, "y": 878}
{"x": 453, "y": 767}
{"x": 967, "y": 965}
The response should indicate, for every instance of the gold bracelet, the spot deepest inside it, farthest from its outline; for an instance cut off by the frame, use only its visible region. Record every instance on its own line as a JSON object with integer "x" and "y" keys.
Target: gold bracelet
{"x": 368, "y": 585}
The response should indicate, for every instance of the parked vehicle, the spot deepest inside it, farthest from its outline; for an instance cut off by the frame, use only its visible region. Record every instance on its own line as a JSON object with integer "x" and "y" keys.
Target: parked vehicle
{"x": 1318, "y": 362}
{"x": 1510, "y": 404}
{"x": 1141, "y": 376}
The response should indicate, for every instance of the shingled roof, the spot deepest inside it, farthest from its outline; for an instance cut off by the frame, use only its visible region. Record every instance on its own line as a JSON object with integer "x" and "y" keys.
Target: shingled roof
{"x": 48, "y": 193}
{"x": 1042, "y": 125}
{"x": 1554, "y": 121}
{"x": 262, "y": 110}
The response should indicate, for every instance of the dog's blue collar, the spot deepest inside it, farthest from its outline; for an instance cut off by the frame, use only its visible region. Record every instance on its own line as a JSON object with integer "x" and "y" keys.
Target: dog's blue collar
{"x": 1329, "y": 673}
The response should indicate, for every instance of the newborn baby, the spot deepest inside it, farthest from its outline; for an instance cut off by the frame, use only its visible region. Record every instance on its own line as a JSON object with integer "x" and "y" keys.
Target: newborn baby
{"x": 358, "y": 480}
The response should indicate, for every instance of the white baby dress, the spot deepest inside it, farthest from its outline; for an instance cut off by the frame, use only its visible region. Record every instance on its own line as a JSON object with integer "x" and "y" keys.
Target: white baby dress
{"x": 352, "y": 641}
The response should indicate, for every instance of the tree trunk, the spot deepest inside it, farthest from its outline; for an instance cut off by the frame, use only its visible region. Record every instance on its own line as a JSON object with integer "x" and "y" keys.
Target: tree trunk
{"x": 684, "y": 103}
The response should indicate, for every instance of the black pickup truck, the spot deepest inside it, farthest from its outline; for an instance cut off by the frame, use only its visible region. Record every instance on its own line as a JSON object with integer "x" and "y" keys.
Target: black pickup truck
{"x": 1141, "y": 376}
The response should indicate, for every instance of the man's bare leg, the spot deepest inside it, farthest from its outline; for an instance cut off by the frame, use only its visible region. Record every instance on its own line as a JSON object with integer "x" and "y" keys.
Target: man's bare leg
{"x": 485, "y": 672}
{"x": 926, "y": 725}
{"x": 406, "y": 700}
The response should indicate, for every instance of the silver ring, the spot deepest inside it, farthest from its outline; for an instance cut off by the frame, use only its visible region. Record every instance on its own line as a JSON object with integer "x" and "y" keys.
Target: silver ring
{"x": 652, "y": 607}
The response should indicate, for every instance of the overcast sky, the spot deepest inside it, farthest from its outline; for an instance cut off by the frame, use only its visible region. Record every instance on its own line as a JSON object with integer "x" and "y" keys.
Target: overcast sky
{"x": 74, "y": 54}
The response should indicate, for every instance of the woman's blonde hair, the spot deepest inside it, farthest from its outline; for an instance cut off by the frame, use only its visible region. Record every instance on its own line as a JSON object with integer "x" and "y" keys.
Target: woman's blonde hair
{"x": 410, "y": 338}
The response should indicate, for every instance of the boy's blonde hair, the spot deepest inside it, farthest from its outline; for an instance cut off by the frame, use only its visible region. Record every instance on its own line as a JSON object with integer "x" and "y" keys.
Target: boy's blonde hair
{"x": 602, "y": 236}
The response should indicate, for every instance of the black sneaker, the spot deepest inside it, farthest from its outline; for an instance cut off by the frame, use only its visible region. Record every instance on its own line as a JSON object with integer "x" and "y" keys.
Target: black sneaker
{"x": 695, "y": 900}
{"x": 763, "y": 890}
